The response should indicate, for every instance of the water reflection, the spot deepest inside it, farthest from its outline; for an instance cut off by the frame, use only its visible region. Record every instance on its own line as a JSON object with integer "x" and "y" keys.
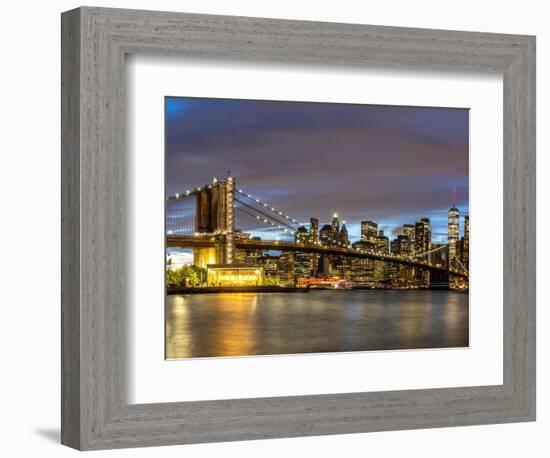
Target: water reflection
{"x": 319, "y": 321}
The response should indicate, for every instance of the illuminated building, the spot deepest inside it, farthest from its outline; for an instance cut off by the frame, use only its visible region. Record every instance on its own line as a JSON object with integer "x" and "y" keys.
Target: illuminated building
{"x": 223, "y": 275}
{"x": 408, "y": 231}
{"x": 335, "y": 226}
{"x": 202, "y": 257}
{"x": 452, "y": 235}
{"x": 313, "y": 230}
{"x": 423, "y": 237}
{"x": 270, "y": 265}
{"x": 400, "y": 246}
{"x": 369, "y": 271}
{"x": 314, "y": 239}
{"x": 466, "y": 244}
{"x": 325, "y": 238}
{"x": 302, "y": 261}
{"x": 382, "y": 243}
{"x": 422, "y": 245}
{"x": 286, "y": 269}
{"x": 408, "y": 274}
{"x": 369, "y": 231}
{"x": 381, "y": 246}
{"x": 453, "y": 229}
{"x": 325, "y": 235}
{"x": 343, "y": 236}
{"x": 339, "y": 265}
{"x": 343, "y": 267}
{"x": 240, "y": 256}
{"x": 302, "y": 235}
{"x": 362, "y": 270}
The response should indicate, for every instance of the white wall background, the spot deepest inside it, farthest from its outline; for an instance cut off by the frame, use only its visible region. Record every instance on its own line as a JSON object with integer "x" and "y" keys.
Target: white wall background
{"x": 29, "y": 193}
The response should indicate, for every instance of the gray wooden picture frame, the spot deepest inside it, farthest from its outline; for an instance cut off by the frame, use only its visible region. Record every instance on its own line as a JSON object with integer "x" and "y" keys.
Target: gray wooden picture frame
{"x": 95, "y": 411}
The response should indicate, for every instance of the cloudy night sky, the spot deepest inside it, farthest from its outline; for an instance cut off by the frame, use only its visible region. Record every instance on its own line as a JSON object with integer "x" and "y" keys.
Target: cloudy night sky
{"x": 389, "y": 164}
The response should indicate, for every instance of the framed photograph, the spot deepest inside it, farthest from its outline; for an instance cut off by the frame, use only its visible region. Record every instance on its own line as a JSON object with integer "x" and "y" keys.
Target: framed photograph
{"x": 266, "y": 228}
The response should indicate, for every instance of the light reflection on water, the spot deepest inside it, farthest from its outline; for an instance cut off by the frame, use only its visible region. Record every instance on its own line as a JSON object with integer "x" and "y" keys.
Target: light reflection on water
{"x": 204, "y": 325}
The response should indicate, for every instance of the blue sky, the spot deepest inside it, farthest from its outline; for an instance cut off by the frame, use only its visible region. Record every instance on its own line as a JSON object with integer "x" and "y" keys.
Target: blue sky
{"x": 389, "y": 164}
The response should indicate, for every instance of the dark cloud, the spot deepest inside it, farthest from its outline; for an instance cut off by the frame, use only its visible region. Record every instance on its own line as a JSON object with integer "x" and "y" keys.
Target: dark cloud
{"x": 387, "y": 163}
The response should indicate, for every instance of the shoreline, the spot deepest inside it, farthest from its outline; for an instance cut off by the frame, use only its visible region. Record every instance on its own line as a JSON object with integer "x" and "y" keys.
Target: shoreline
{"x": 280, "y": 289}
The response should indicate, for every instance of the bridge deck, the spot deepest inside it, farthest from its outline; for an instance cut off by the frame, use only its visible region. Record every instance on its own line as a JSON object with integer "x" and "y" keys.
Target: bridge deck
{"x": 189, "y": 241}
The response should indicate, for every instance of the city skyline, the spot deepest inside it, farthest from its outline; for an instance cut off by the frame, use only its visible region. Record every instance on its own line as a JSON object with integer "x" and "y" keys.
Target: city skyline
{"x": 409, "y": 159}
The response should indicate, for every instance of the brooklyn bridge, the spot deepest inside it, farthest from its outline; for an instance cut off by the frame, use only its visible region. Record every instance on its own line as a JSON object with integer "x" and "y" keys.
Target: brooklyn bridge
{"x": 216, "y": 221}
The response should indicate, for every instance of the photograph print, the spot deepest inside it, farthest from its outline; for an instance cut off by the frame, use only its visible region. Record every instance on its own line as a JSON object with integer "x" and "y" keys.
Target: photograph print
{"x": 304, "y": 227}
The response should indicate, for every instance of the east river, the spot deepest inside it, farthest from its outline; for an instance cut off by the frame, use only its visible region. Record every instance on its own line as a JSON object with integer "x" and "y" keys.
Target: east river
{"x": 205, "y": 325}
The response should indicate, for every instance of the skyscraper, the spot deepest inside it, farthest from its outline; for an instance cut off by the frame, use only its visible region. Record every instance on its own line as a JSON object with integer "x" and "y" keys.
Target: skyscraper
{"x": 286, "y": 269}
{"x": 325, "y": 235}
{"x": 369, "y": 231}
{"x": 408, "y": 231}
{"x": 382, "y": 243}
{"x": 302, "y": 261}
{"x": 313, "y": 230}
{"x": 452, "y": 235}
{"x": 301, "y": 235}
{"x": 325, "y": 238}
{"x": 422, "y": 237}
{"x": 466, "y": 242}
{"x": 335, "y": 228}
{"x": 314, "y": 238}
{"x": 343, "y": 238}
{"x": 422, "y": 244}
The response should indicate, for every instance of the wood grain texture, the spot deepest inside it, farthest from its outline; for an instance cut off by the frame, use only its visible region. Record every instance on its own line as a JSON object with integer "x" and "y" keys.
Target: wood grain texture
{"x": 70, "y": 229}
{"x": 96, "y": 414}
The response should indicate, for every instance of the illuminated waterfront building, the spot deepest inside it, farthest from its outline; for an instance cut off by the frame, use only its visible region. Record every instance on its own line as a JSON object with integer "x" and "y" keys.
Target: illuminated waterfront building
{"x": 466, "y": 245}
{"x": 362, "y": 270}
{"x": 286, "y": 268}
{"x": 270, "y": 265}
{"x": 225, "y": 275}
